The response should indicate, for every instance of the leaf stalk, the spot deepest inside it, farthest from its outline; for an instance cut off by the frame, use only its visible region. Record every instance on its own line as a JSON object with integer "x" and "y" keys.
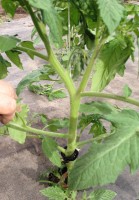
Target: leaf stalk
{"x": 36, "y": 131}
{"x": 101, "y": 137}
{"x": 111, "y": 96}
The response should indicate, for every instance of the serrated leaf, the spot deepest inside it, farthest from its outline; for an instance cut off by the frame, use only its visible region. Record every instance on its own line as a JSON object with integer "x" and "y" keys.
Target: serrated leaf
{"x": 8, "y": 42}
{"x": 29, "y": 45}
{"x": 49, "y": 147}
{"x": 51, "y": 17}
{"x": 20, "y": 119}
{"x": 97, "y": 107}
{"x": 54, "y": 193}
{"x": 4, "y": 64}
{"x": 111, "y": 12}
{"x": 55, "y": 124}
{"x": 97, "y": 129}
{"x": 47, "y": 90}
{"x": 127, "y": 91}
{"x": 104, "y": 162}
{"x": 59, "y": 94}
{"x": 102, "y": 195}
{"x": 18, "y": 136}
{"x": 24, "y": 112}
{"x": 36, "y": 75}
{"x": 14, "y": 57}
{"x": 9, "y": 6}
{"x": 112, "y": 60}
{"x": 43, "y": 119}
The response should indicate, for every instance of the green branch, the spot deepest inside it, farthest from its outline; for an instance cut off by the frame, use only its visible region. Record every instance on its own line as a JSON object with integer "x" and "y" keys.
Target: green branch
{"x": 51, "y": 56}
{"x": 38, "y": 27}
{"x": 35, "y": 53}
{"x": 101, "y": 137}
{"x": 64, "y": 74}
{"x": 90, "y": 66}
{"x": 36, "y": 131}
{"x": 111, "y": 96}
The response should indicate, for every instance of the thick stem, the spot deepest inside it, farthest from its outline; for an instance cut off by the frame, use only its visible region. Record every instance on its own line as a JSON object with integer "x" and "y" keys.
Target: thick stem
{"x": 74, "y": 105}
{"x": 36, "y": 131}
{"x": 110, "y": 96}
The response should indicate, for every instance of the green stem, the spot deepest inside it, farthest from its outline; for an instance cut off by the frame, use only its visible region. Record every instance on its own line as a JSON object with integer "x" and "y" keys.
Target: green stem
{"x": 111, "y": 96}
{"x": 51, "y": 56}
{"x": 80, "y": 134}
{"x": 33, "y": 136}
{"x": 89, "y": 68}
{"x": 69, "y": 33}
{"x": 36, "y": 131}
{"x": 38, "y": 27}
{"x": 61, "y": 149}
{"x": 97, "y": 29}
{"x": 45, "y": 181}
{"x": 74, "y": 105}
{"x": 103, "y": 136}
{"x": 71, "y": 54}
{"x": 64, "y": 74}
{"x": 35, "y": 53}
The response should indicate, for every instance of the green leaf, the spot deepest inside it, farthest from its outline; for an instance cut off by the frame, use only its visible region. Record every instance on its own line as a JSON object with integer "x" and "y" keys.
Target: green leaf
{"x": 9, "y": 6}
{"x": 111, "y": 61}
{"x": 97, "y": 107}
{"x": 97, "y": 129}
{"x": 20, "y": 119}
{"x": 43, "y": 118}
{"x": 49, "y": 147}
{"x": 51, "y": 17}
{"x": 105, "y": 161}
{"x": 111, "y": 12}
{"x": 8, "y": 42}
{"x": 54, "y": 193}
{"x": 102, "y": 195}
{"x": 14, "y": 57}
{"x": 47, "y": 90}
{"x": 4, "y": 64}
{"x": 29, "y": 45}
{"x": 36, "y": 75}
{"x": 57, "y": 94}
{"x": 32, "y": 77}
{"x": 55, "y": 124}
{"x": 127, "y": 91}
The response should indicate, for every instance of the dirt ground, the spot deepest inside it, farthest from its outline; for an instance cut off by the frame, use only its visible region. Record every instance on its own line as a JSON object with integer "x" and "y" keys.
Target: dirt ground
{"x": 19, "y": 164}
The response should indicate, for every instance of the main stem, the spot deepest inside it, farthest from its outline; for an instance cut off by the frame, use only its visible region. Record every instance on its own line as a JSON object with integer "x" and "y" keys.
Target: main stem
{"x": 75, "y": 102}
{"x": 74, "y": 112}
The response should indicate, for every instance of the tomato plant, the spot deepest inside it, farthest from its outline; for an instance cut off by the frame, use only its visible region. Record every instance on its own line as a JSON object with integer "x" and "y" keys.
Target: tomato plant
{"x": 92, "y": 41}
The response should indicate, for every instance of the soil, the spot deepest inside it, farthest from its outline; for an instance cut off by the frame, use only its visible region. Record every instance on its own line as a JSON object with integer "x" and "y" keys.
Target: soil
{"x": 20, "y": 165}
